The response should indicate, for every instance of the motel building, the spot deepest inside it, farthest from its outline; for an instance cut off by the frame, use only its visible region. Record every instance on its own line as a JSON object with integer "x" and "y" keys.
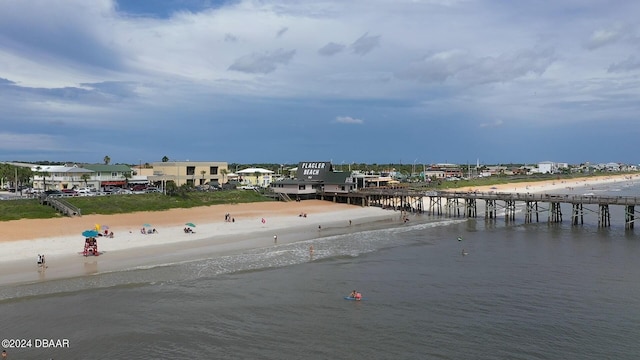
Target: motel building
{"x": 194, "y": 173}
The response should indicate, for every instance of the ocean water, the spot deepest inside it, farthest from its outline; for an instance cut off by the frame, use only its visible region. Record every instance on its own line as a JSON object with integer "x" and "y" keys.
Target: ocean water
{"x": 523, "y": 291}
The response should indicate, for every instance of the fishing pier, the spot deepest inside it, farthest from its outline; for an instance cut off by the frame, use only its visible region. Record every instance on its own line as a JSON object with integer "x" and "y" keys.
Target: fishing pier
{"x": 465, "y": 204}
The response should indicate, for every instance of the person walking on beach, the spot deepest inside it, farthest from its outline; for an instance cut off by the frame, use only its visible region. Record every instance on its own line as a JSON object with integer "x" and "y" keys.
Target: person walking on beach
{"x": 43, "y": 261}
{"x": 39, "y": 261}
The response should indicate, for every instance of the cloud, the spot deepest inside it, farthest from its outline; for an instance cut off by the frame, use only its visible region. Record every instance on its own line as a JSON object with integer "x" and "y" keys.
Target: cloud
{"x": 331, "y": 49}
{"x": 630, "y": 64}
{"x": 493, "y": 124}
{"x": 282, "y": 31}
{"x": 230, "y": 38}
{"x": 262, "y": 63}
{"x": 28, "y": 142}
{"x": 600, "y": 38}
{"x": 462, "y": 67}
{"x": 6, "y": 82}
{"x": 365, "y": 44}
{"x": 348, "y": 120}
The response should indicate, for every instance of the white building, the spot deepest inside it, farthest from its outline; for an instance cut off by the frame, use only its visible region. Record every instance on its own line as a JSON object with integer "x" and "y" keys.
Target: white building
{"x": 255, "y": 176}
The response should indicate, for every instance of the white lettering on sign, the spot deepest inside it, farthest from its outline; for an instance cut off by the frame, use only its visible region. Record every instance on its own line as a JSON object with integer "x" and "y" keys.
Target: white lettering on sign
{"x": 313, "y": 165}
{"x": 311, "y": 172}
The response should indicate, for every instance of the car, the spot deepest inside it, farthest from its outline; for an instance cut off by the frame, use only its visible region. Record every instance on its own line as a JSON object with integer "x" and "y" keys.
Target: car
{"x": 85, "y": 192}
{"x": 69, "y": 192}
{"x": 152, "y": 190}
{"x": 248, "y": 187}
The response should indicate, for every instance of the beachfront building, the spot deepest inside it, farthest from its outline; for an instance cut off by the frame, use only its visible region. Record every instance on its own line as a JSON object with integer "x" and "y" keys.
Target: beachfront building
{"x": 107, "y": 176}
{"x": 61, "y": 177}
{"x": 550, "y": 167}
{"x": 443, "y": 171}
{"x": 194, "y": 173}
{"x": 314, "y": 177}
{"x": 255, "y": 176}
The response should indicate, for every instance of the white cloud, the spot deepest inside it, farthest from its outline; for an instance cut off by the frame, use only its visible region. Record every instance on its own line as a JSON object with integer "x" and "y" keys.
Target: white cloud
{"x": 492, "y": 124}
{"x": 348, "y": 120}
{"x": 603, "y": 37}
{"x": 464, "y": 68}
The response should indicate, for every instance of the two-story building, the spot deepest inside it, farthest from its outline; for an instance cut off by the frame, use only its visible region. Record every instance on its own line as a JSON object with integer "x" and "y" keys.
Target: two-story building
{"x": 104, "y": 176}
{"x": 189, "y": 172}
{"x": 60, "y": 177}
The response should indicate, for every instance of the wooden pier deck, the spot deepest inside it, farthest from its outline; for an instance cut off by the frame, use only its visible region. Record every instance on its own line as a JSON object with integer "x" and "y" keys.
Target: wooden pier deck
{"x": 451, "y": 203}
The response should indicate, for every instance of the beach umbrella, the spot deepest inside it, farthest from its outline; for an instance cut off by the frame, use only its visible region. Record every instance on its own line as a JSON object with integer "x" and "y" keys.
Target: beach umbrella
{"x": 105, "y": 227}
{"x": 191, "y": 224}
{"x": 146, "y": 225}
{"x": 90, "y": 233}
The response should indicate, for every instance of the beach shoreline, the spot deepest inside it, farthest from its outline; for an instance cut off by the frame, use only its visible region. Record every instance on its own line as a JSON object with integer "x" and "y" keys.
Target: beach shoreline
{"x": 247, "y": 226}
{"x": 551, "y": 185}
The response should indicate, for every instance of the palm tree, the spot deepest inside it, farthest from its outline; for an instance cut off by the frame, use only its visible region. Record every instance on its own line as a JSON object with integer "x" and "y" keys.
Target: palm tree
{"x": 224, "y": 173}
{"x": 107, "y": 160}
{"x": 165, "y": 159}
{"x": 202, "y": 172}
{"x": 44, "y": 180}
{"x": 85, "y": 177}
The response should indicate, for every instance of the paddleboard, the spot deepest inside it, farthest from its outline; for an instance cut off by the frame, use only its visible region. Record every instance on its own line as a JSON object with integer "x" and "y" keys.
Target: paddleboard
{"x": 352, "y": 298}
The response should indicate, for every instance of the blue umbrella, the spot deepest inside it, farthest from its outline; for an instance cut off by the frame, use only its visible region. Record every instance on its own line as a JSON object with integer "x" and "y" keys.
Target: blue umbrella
{"x": 146, "y": 225}
{"x": 90, "y": 233}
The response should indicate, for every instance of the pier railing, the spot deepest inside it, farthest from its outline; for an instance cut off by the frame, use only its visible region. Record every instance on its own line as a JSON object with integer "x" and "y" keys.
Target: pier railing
{"x": 464, "y": 203}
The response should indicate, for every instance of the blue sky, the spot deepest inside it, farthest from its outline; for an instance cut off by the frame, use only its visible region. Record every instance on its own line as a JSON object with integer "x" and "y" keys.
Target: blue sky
{"x": 371, "y": 81}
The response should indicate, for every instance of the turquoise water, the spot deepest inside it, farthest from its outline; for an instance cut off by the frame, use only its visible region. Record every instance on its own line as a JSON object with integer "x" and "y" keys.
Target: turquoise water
{"x": 534, "y": 291}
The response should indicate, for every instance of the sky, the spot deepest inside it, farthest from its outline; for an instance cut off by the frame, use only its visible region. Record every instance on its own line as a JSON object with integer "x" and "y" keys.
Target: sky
{"x": 362, "y": 81}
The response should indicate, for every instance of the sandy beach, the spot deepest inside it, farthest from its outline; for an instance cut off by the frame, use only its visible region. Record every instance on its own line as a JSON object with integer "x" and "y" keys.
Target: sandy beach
{"x": 552, "y": 185}
{"x": 248, "y": 226}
